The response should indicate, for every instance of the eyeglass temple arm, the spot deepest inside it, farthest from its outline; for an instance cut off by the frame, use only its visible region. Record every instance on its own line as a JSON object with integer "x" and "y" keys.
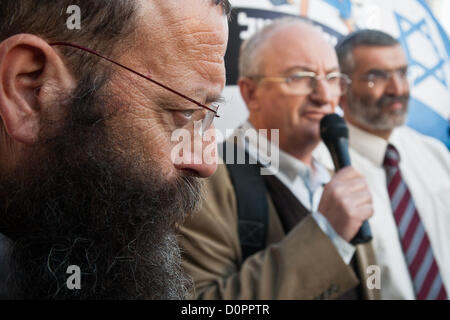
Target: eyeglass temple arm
{"x": 67, "y": 44}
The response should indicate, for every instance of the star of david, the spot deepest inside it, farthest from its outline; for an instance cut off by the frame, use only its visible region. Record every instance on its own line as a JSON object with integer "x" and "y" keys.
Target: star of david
{"x": 407, "y": 29}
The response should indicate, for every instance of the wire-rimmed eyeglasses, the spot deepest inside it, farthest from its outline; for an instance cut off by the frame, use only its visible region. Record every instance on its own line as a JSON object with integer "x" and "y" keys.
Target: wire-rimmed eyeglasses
{"x": 305, "y": 82}
{"x": 380, "y": 77}
{"x": 207, "y": 114}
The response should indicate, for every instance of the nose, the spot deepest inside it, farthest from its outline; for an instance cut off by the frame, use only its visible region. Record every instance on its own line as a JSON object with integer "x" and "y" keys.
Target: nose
{"x": 197, "y": 156}
{"x": 321, "y": 93}
{"x": 397, "y": 86}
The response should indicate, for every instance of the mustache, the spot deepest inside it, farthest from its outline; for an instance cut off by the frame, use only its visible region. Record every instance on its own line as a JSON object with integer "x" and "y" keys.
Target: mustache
{"x": 387, "y": 100}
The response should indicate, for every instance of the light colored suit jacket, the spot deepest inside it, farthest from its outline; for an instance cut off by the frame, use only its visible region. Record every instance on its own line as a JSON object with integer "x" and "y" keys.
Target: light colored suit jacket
{"x": 303, "y": 264}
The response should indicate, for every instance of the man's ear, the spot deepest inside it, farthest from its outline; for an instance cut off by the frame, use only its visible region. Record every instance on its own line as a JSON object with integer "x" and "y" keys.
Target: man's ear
{"x": 31, "y": 76}
{"x": 248, "y": 88}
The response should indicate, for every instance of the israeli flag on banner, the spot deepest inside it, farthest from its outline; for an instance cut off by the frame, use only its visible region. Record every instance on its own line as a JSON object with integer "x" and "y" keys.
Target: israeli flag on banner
{"x": 411, "y": 21}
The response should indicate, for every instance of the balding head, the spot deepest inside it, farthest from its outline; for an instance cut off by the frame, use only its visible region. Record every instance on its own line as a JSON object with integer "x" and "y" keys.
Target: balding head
{"x": 269, "y": 60}
{"x": 273, "y": 36}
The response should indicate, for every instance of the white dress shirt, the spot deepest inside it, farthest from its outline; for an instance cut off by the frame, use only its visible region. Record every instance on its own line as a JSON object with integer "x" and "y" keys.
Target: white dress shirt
{"x": 425, "y": 168}
{"x": 304, "y": 183}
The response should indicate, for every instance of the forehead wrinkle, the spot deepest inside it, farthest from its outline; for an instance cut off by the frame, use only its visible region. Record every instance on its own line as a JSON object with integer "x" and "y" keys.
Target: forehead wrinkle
{"x": 183, "y": 43}
{"x": 205, "y": 53}
{"x": 301, "y": 39}
{"x": 199, "y": 39}
{"x": 176, "y": 21}
{"x": 206, "y": 45}
{"x": 159, "y": 29}
{"x": 185, "y": 39}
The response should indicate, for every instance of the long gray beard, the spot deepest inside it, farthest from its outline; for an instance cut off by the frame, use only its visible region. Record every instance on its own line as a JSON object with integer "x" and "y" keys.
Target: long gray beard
{"x": 81, "y": 202}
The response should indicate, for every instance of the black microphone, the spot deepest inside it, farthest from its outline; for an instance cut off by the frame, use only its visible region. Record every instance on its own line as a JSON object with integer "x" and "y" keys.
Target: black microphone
{"x": 334, "y": 133}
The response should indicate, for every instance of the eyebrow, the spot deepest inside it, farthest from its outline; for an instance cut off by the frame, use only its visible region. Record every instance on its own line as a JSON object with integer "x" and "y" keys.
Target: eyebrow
{"x": 305, "y": 68}
{"x": 169, "y": 102}
{"x": 405, "y": 67}
{"x": 215, "y": 98}
{"x": 209, "y": 97}
{"x": 389, "y": 69}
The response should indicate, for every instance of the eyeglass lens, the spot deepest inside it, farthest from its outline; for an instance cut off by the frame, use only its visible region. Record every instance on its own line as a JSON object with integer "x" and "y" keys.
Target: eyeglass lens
{"x": 306, "y": 84}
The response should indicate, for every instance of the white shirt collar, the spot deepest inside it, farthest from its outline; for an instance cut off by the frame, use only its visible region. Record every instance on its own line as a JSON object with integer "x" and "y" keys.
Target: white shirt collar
{"x": 289, "y": 166}
{"x": 368, "y": 145}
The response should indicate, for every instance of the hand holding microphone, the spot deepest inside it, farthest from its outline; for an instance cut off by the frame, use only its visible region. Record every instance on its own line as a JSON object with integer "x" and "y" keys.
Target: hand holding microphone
{"x": 346, "y": 201}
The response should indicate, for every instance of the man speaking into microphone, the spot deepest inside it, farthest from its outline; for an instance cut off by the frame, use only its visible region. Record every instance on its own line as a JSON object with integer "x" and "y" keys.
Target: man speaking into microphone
{"x": 286, "y": 235}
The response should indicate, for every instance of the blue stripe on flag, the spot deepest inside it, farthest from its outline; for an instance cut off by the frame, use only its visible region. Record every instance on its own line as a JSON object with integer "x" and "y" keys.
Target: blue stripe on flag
{"x": 444, "y": 35}
{"x": 432, "y": 123}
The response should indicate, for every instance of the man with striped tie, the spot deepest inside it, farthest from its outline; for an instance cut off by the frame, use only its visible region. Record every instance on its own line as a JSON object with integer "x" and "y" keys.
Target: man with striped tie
{"x": 408, "y": 173}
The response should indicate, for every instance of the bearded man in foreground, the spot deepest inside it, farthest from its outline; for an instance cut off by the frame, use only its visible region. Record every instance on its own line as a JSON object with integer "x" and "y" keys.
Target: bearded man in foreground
{"x": 87, "y": 178}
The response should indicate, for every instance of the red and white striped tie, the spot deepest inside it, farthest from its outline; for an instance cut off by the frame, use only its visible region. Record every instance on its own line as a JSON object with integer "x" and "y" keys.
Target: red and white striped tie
{"x": 416, "y": 246}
